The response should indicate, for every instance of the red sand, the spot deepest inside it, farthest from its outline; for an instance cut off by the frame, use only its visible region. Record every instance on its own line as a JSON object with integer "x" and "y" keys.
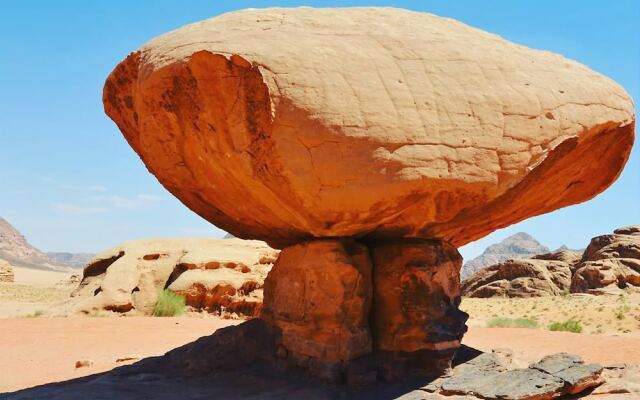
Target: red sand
{"x": 34, "y": 351}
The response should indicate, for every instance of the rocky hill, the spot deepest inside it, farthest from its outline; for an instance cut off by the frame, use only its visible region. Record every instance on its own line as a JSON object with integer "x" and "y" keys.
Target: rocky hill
{"x": 609, "y": 264}
{"x": 520, "y": 245}
{"x": 15, "y": 249}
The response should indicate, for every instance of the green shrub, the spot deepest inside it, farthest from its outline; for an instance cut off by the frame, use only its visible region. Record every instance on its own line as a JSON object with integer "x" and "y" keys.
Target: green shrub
{"x": 169, "y": 304}
{"x": 566, "y": 326}
{"x": 512, "y": 323}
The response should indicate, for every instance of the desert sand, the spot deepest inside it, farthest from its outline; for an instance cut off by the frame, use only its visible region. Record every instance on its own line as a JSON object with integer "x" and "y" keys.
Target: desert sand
{"x": 44, "y": 350}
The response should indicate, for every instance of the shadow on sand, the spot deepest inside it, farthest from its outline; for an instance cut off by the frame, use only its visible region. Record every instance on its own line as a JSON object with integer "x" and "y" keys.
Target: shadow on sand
{"x": 229, "y": 364}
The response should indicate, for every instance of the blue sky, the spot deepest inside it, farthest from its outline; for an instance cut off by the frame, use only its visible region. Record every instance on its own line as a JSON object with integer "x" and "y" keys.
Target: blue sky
{"x": 71, "y": 183}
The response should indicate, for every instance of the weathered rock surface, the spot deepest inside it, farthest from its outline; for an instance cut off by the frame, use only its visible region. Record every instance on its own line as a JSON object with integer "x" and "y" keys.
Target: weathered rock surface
{"x": 520, "y": 245}
{"x": 319, "y": 295}
{"x": 212, "y": 274}
{"x": 520, "y": 278}
{"x": 492, "y": 376}
{"x": 373, "y": 122}
{"x": 610, "y": 262}
{"x": 6, "y": 272}
{"x": 416, "y": 296}
{"x": 620, "y": 379}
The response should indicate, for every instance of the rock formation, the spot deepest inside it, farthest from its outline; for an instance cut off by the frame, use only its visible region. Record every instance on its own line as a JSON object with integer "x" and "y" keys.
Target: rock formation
{"x": 520, "y": 245}
{"x": 331, "y": 132}
{"x": 520, "y": 278}
{"x": 212, "y": 274}
{"x": 6, "y": 272}
{"x": 610, "y": 262}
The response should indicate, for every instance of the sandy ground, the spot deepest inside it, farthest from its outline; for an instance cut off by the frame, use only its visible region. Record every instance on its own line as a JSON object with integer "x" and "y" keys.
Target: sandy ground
{"x": 42, "y": 350}
{"x": 606, "y": 314}
{"x": 40, "y": 278}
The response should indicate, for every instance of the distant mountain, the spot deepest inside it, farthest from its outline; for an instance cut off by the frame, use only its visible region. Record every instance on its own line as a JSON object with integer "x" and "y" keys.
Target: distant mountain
{"x": 228, "y": 236}
{"x": 15, "y": 249}
{"x": 74, "y": 260}
{"x": 520, "y": 245}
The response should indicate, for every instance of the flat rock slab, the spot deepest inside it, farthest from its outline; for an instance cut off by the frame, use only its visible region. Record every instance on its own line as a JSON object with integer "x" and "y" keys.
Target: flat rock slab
{"x": 492, "y": 376}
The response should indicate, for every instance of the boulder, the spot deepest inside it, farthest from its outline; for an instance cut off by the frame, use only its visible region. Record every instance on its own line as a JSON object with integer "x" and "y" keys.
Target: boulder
{"x": 609, "y": 263}
{"x": 375, "y": 122}
{"x": 215, "y": 275}
{"x": 6, "y": 272}
{"x": 520, "y": 278}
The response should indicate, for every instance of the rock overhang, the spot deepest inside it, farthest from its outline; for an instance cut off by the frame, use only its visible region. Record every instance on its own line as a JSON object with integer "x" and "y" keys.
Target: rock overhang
{"x": 290, "y": 124}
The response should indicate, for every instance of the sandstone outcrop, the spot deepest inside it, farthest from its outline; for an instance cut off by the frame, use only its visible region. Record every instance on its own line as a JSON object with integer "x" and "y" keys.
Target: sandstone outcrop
{"x": 339, "y": 133}
{"x": 610, "y": 262}
{"x": 212, "y": 274}
{"x": 397, "y": 123}
{"x": 6, "y": 272}
{"x": 520, "y": 278}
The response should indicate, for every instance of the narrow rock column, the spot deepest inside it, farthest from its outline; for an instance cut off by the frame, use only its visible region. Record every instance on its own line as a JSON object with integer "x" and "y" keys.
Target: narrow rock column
{"x": 415, "y": 317}
{"x": 318, "y": 296}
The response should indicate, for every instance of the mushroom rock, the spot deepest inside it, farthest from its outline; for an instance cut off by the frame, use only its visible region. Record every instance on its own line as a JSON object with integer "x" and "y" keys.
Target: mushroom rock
{"x": 372, "y": 126}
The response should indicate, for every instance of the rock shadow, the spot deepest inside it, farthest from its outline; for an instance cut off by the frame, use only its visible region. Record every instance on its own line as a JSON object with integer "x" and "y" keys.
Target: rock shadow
{"x": 237, "y": 362}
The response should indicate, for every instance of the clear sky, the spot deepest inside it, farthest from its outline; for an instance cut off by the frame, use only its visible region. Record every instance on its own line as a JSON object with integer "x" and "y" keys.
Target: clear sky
{"x": 70, "y": 182}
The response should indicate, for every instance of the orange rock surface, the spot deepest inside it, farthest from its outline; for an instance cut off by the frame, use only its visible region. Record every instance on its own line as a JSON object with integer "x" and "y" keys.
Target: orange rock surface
{"x": 288, "y": 124}
{"x": 416, "y": 296}
{"x": 319, "y": 295}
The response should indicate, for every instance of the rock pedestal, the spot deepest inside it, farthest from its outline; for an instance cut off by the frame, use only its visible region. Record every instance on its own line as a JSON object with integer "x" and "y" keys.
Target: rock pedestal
{"x": 344, "y": 308}
{"x": 318, "y": 295}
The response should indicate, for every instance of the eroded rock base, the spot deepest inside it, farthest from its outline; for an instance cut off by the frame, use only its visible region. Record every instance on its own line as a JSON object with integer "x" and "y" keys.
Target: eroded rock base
{"x": 358, "y": 312}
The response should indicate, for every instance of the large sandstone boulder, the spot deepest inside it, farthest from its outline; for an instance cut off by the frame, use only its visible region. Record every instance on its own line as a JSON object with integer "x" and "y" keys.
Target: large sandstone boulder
{"x": 288, "y": 124}
{"x": 367, "y": 143}
{"x": 212, "y": 274}
{"x": 609, "y": 263}
{"x": 6, "y": 272}
{"x": 520, "y": 278}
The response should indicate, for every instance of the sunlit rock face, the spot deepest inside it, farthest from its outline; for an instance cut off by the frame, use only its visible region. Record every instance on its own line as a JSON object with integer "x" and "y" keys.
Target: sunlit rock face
{"x": 373, "y": 129}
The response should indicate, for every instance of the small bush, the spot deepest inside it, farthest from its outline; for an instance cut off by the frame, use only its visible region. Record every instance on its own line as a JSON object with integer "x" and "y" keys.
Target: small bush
{"x": 169, "y": 304}
{"x": 35, "y": 314}
{"x": 512, "y": 323}
{"x": 566, "y": 326}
